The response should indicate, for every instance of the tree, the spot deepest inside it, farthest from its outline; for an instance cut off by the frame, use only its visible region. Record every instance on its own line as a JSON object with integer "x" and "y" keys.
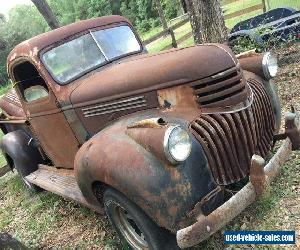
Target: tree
{"x": 23, "y": 23}
{"x": 2, "y": 41}
{"x": 162, "y": 18}
{"x": 115, "y": 7}
{"x": 2, "y": 44}
{"x": 183, "y": 5}
{"x": 47, "y": 13}
{"x": 164, "y": 22}
{"x": 2, "y": 18}
{"x": 207, "y": 21}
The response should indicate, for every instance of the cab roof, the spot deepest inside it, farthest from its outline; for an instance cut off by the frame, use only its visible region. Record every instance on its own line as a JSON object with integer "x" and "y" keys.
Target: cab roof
{"x": 31, "y": 47}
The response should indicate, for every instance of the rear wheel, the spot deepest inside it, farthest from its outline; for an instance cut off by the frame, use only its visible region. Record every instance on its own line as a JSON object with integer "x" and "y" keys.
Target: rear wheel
{"x": 134, "y": 227}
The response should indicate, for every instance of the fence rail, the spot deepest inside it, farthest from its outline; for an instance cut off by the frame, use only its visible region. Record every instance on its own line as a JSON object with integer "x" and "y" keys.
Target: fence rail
{"x": 224, "y": 2}
{"x": 185, "y": 20}
{"x": 244, "y": 11}
{"x": 166, "y": 32}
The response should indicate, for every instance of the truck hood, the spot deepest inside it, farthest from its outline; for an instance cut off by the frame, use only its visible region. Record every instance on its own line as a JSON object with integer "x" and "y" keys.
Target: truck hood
{"x": 151, "y": 72}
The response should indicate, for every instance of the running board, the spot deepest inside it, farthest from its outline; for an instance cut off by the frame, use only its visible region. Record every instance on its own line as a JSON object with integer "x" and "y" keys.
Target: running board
{"x": 61, "y": 182}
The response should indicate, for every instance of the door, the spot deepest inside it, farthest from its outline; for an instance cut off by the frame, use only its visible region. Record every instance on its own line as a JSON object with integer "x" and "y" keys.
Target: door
{"x": 46, "y": 118}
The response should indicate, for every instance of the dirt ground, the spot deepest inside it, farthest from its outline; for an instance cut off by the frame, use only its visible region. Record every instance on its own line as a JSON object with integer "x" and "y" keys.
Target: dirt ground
{"x": 46, "y": 221}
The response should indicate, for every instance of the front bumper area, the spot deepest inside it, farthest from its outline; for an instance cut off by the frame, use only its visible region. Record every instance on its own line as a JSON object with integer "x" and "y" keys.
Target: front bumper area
{"x": 261, "y": 176}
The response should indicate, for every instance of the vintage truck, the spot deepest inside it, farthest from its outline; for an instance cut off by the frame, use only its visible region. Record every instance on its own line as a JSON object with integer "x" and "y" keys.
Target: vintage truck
{"x": 170, "y": 145}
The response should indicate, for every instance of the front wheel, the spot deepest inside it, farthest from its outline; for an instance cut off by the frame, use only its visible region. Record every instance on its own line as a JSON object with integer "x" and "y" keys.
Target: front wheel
{"x": 134, "y": 227}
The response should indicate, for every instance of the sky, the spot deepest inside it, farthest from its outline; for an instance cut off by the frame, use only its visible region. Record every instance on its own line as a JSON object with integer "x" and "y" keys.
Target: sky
{"x": 6, "y": 5}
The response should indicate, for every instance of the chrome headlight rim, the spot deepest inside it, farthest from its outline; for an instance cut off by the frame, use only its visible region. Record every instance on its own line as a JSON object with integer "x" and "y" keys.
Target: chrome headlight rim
{"x": 266, "y": 65}
{"x": 167, "y": 151}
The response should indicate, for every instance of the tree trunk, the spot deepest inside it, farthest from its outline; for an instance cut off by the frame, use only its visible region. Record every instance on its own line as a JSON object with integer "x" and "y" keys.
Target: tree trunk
{"x": 183, "y": 6}
{"x": 164, "y": 22}
{"x": 195, "y": 20}
{"x": 264, "y": 6}
{"x": 2, "y": 18}
{"x": 161, "y": 15}
{"x": 45, "y": 10}
{"x": 115, "y": 7}
{"x": 207, "y": 21}
{"x": 2, "y": 44}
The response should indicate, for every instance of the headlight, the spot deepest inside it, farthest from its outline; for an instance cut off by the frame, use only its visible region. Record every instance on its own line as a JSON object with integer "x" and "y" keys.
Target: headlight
{"x": 269, "y": 65}
{"x": 177, "y": 144}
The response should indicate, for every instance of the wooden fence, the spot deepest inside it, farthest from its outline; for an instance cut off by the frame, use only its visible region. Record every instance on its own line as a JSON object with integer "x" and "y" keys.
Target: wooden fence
{"x": 185, "y": 19}
{"x": 166, "y": 32}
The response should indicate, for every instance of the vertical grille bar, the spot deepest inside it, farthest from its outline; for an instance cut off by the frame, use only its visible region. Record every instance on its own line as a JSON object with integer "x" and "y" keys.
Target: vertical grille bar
{"x": 230, "y": 145}
{"x": 230, "y": 140}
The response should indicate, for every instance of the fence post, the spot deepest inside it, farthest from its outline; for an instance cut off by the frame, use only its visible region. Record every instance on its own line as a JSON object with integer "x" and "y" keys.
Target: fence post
{"x": 264, "y": 6}
{"x": 174, "y": 42}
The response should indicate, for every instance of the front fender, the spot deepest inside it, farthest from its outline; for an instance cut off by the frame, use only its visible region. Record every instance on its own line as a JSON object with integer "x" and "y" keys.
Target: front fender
{"x": 25, "y": 156}
{"x": 166, "y": 193}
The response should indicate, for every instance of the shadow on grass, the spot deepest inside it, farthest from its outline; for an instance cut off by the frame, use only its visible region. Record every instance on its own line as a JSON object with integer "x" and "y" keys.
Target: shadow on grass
{"x": 8, "y": 242}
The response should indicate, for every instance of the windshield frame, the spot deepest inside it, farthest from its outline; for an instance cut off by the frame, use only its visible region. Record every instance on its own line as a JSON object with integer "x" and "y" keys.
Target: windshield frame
{"x": 88, "y": 31}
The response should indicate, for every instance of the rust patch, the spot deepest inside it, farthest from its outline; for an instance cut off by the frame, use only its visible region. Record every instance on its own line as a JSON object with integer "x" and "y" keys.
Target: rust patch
{"x": 257, "y": 174}
{"x": 221, "y": 136}
{"x": 246, "y": 54}
{"x": 180, "y": 96}
{"x": 149, "y": 123}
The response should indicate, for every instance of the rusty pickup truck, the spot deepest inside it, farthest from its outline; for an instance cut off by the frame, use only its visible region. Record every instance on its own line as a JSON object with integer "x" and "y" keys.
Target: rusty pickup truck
{"x": 170, "y": 145}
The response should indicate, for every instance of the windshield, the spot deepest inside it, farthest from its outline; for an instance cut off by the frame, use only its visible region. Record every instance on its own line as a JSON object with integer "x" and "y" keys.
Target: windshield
{"x": 74, "y": 58}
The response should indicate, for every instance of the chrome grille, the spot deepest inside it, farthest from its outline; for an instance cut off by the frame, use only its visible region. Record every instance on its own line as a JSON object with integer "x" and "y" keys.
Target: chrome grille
{"x": 230, "y": 140}
{"x": 220, "y": 89}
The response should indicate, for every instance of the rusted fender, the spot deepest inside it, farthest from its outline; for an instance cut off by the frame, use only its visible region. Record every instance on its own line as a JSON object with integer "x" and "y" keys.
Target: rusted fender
{"x": 11, "y": 105}
{"x": 132, "y": 163}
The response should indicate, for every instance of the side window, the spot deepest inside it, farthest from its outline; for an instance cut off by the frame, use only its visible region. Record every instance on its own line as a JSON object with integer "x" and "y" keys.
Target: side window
{"x": 31, "y": 85}
{"x": 34, "y": 93}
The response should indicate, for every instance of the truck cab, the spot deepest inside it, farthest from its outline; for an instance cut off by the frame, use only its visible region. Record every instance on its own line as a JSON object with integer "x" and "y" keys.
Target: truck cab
{"x": 158, "y": 142}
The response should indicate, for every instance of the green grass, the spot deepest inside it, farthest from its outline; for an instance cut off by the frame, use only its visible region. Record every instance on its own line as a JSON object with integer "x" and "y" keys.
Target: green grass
{"x": 4, "y": 89}
{"x": 285, "y": 3}
{"x": 188, "y": 42}
{"x": 48, "y": 220}
{"x": 179, "y": 33}
{"x": 236, "y": 6}
{"x": 151, "y": 33}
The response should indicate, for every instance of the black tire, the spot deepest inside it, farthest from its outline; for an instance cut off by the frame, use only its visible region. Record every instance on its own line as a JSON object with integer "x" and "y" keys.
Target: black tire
{"x": 135, "y": 229}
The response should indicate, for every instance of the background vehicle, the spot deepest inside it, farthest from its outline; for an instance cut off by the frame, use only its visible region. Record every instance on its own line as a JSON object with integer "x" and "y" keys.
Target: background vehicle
{"x": 162, "y": 141}
{"x": 272, "y": 28}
